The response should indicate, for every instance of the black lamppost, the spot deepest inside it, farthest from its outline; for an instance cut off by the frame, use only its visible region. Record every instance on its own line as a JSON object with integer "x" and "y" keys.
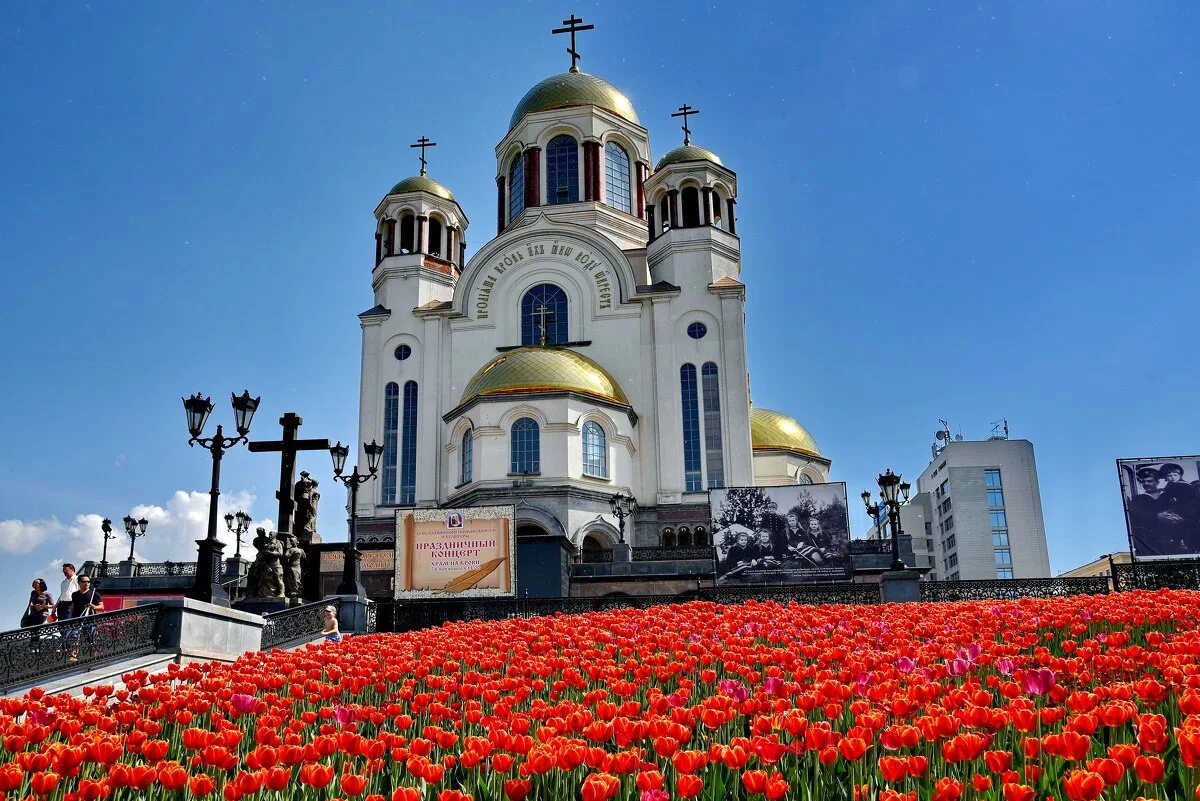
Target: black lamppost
{"x": 208, "y": 563}
{"x": 134, "y": 529}
{"x": 106, "y": 530}
{"x": 893, "y": 491}
{"x": 242, "y": 526}
{"x": 623, "y": 506}
{"x": 352, "y": 565}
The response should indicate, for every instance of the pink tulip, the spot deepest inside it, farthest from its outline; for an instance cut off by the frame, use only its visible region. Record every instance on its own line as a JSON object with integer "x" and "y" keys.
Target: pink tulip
{"x": 1006, "y": 666}
{"x": 1038, "y": 682}
{"x": 243, "y": 704}
{"x": 905, "y": 665}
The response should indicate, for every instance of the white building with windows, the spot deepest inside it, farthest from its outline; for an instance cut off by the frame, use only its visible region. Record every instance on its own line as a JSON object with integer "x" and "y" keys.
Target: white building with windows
{"x": 596, "y": 344}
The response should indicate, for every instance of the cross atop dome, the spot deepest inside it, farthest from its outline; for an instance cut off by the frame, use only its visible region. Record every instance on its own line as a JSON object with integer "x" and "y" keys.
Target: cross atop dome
{"x": 573, "y": 27}
{"x": 423, "y": 143}
{"x": 684, "y": 111}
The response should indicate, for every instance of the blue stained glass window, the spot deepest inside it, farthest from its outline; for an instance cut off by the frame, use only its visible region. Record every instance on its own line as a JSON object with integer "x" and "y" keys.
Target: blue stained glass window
{"x": 526, "y": 447}
{"x": 391, "y": 428}
{"x": 516, "y": 187}
{"x": 595, "y": 450}
{"x": 555, "y": 302}
{"x": 616, "y": 178}
{"x": 692, "y": 478}
{"x": 562, "y": 170}
{"x": 408, "y": 447}
{"x": 468, "y": 457}
{"x": 713, "y": 456}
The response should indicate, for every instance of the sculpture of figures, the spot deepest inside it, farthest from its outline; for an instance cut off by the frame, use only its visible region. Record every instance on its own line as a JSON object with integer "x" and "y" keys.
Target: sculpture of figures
{"x": 265, "y": 577}
{"x": 293, "y": 555}
{"x": 306, "y": 498}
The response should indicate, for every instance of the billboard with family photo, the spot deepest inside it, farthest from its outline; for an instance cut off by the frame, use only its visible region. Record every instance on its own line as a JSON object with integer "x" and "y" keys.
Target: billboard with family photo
{"x": 1162, "y": 505}
{"x": 781, "y": 535}
{"x": 465, "y": 552}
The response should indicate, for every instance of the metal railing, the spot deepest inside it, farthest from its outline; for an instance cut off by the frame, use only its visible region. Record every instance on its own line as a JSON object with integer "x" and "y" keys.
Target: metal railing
{"x": 288, "y": 628}
{"x": 39, "y": 653}
{"x": 863, "y": 547}
{"x": 113, "y": 570}
{"x": 1008, "y": 589}
{"x": 1173, "y": 574}
{"x": 595, "y": 555}
{"x": 656, "y": 553}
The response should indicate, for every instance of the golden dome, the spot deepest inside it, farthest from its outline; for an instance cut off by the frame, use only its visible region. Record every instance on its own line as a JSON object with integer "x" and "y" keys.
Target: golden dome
{"x": 688, "y": 153}
{"x": 574, "y": 89}
{"x": 771, "y": 430}
{"x": 525, "y": 371}
{"x": 421, "y": 183}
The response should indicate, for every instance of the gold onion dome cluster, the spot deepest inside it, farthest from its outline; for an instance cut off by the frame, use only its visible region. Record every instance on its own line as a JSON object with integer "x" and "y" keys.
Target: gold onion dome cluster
{"x": 688, "y": 153}
{"x": 422, "y": 183}
{"x": 572, "y": 89}
{"x": 771, "y": 430}
{"x": 525, "y": 371}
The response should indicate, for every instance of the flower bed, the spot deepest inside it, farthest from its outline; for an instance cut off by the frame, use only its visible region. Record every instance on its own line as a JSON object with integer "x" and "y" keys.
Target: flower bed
{"x": 1076, "y": 698}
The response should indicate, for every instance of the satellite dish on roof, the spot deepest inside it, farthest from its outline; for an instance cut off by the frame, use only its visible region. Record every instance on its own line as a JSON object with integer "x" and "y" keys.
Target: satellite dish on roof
{"x": 959, "y": 438}
{"x": 941, "y": 435}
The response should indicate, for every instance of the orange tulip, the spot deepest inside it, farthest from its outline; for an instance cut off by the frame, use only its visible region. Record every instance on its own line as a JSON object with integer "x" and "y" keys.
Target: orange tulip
{"x": 688, "y": 786}
{"x": 1149, "y": 769}
{"x": 1083, "y": 785}
{"x": 353, "y": 784}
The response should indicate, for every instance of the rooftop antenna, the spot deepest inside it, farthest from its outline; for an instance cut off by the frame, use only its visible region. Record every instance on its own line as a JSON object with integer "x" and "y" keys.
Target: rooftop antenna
{"x": 573, "y": 27}
{"x": 998, "y": 427}
{"x": 942, "y": 435}
{"x": 423, "y": 143}
{"x": 684, "y": 111}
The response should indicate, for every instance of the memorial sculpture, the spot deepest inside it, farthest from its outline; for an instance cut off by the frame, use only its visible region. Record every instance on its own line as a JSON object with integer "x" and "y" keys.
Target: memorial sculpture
{"x": 265, "y": 578}
{"x": 306, "y": 499}
{"x": 292, "y": 556}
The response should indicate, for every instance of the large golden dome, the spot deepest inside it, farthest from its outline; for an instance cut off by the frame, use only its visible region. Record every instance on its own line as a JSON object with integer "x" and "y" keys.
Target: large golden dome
{"x": 771, "y": 430}
{"x": 422, "y": 183}
{"x": 574, "y": 89}
{"x": 525, "y": 371}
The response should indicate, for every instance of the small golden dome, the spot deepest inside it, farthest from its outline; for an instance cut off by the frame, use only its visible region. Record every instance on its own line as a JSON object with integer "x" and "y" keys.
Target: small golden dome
{"x": 525, "y": 371}
{"x": 771, "y": 430}
{"x": 574, "y": 89}
{"x": 421, "y": 183}
{"x": 688, "y": 153}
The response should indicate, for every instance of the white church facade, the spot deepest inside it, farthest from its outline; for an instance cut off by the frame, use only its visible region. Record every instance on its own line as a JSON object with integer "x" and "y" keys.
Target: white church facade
{"x": 596, "y": 345}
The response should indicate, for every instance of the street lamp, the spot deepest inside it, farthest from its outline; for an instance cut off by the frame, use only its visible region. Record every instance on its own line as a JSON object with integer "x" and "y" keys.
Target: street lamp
{"x": 208, "y": 565}
{"x": 893, "y": 491}
{"x": 134, "y": 529}
{"x": 106, "y": 530}
{"x": 241, "y": 527}
{"x": 352, "y": 564}
{"x": 623, "y": 506}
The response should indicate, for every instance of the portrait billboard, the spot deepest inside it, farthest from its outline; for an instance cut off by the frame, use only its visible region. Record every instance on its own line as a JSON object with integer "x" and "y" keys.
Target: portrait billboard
{"x": 1162, "y": 505}
{"x": 781, "y": 535}
{"x": 467, "y": 552}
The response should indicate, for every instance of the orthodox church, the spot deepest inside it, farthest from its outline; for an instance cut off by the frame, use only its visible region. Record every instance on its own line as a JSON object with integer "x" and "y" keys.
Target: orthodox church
{"x": 595, "y": 345}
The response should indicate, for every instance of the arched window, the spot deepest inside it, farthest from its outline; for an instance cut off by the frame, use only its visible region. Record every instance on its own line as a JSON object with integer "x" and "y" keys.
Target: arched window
{"x": 595, "y": 450}
{"x": 389, "y": 237}
{"x": 684, "y": 539}
{"x": 713, "y": 457}
{"x": 692, "y": 478}
{"x": 562, "y": 170}
{"x": 516, "y": 187}
{"x": 664, "y": 212}
{"x": 408, "y": 446}
{"x": 616, "y": 178}
{"x": 468, "y": 457}
{"x": 668, "y": 536}
{"x": 689, "y": 199}
{"x": 544, "y": 305}
{"x": 718, "y": 209}
{"x": 391, "y": 443}
{"x": 700, "y": 536}
{"x": 526, "y": 447}
{"x": 408, "y": 227}
{"x": 435, "y": 236}
{"x": 805, "y": 479}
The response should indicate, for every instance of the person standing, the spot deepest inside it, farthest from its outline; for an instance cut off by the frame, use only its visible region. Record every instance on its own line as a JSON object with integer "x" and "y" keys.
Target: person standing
{"x": 85, "y": 601}
{"x": 66, "y": 591}
{"x": 40, "y": 604}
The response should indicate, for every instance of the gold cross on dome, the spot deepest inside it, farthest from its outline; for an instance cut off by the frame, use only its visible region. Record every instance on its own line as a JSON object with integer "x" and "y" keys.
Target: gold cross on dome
{"x": 573, "y": 27}
{"x": 423, "y": 143}
{"x": 684, "y": 111}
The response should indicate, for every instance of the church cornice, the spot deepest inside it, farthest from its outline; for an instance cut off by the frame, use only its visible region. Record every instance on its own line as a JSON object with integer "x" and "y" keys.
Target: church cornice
{"x": 462, "y": 408}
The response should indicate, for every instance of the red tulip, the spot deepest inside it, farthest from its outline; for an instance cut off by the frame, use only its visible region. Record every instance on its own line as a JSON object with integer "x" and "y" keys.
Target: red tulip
{"x": 688, "y": 786}
{"x": 353, "y": 784}
{"x": 1149, "y": 769}
{"x": 1083, "y": 785}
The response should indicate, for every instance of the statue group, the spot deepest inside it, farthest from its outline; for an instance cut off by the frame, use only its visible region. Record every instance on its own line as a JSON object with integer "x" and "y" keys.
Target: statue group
{"x": 276, "y": 573}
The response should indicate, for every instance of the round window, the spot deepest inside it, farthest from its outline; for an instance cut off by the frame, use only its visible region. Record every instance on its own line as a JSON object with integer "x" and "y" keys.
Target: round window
{"x": 697, "y": 330}
{"x": 403, "y": 352}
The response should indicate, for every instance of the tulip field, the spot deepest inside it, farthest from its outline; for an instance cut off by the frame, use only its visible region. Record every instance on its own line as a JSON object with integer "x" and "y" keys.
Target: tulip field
{"x": 1070, "y": 698}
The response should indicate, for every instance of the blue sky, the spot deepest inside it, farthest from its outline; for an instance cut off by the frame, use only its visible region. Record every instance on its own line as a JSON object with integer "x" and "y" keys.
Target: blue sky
{"x": 947, "y": 210}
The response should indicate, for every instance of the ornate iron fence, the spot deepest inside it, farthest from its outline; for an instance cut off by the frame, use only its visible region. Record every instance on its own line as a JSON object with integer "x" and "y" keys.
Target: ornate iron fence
{"x": 39, "y": 653}
{"x": 289, "y": 628}
{"x": 870, "y": 546}
{"x": 595, "y": 555}
{"x": 655, "y": 553}
{"x": 1008, "y": 589}
{"x": 1172, "y": 574}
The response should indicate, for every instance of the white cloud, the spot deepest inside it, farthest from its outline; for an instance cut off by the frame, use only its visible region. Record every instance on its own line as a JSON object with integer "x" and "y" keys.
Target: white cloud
{"x": 22, "y": 536}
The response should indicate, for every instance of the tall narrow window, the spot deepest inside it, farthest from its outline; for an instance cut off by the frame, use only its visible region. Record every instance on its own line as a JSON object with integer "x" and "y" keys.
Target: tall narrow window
{"x": 408, "y": 446}
{"x": 435, "y": 236}
{"x": 562, "y": 170}
{"x": 516, "y": 187}
{"x": 468, "y": 457}
{"x": 718, "y": 206}
{"x": 689, "y": 199}
{"x": 391, "y": 442}
{"x": 408, "y": 227}
{"x": 526, "y": 447}
{"x": 595, "y": 451}
{"x": 713, "y": 456}
{"x": 616, "y": 178}
{"x": 664, "y": 212}
{"x": 544, "y": 306}
{"x": 692, "y": 473}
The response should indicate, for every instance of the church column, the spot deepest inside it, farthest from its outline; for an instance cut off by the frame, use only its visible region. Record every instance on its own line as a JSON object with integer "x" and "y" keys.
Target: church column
{"x": 707, "y": 204}
{"x": 462, "y": 254}
{"x": 378, "y": 247}
{"x": 370, "y": 403}
{"x": 640, "y": 173}
{"x": 650, "y": 223}
{"x": 673, "y": 207}
{"x": 450, "y": 246}
{"x": 533, "y": 177}
{"x": 730, "y": 216}
{"x": 499, "y": 204}
{"x": 422, "y": 234}
{"x": 735, "y": 401}
{"x": 591, "y": 170}
{"x": 389, "y": 237}
{"x": 667, "y": 405}
{"x": 430, "y": 454}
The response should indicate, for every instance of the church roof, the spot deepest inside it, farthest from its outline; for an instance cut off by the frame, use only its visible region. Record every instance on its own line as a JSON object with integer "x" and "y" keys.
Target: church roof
{"x": 688, "y": 153}
{"x": 422, "y": 183}
{"x": 771, "y": 430}
{"x": 574, "y": 89}
{"x": 524, "y": 371}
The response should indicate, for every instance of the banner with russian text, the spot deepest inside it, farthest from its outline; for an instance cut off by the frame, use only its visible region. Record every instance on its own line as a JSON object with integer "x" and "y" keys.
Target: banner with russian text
{"x": 465, "y": 552}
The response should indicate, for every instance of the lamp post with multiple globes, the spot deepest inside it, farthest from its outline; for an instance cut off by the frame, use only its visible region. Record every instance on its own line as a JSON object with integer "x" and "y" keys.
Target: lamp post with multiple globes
{"x": 133, "y": 530}
{"x": 352, "y": 565}
{"x": 107, "y": 531}
{"x": 893, "y": 493}
{"x": 237, "y": 529}
{"x": 623, "y": 506}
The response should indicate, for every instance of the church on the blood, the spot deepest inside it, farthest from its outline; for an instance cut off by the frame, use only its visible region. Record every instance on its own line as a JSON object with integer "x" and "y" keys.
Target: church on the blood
{"x": 596, "y": 345}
